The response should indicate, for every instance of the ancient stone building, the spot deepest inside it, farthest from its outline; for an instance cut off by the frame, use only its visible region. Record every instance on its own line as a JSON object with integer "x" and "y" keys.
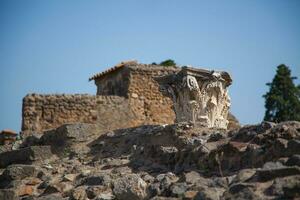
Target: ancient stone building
{"x": 128, "y": 95}
{"x": 136, "y": 82}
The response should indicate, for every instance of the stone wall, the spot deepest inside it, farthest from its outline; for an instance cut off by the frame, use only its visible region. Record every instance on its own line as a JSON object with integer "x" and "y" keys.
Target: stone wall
{"x": 44, "y": 112}
{"x": 145, "y": 96}
{"x": 138, "y": 101}
{"x": 114, "y": 112}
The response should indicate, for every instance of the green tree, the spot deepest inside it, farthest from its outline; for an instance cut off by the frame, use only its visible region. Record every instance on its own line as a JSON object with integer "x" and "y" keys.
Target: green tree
{"x": 168, "y": 62}
{"x": 282, "y": 100}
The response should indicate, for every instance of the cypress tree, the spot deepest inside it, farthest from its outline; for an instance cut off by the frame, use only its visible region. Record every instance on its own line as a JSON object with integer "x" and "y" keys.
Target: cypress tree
{"x": 282, "y": 100}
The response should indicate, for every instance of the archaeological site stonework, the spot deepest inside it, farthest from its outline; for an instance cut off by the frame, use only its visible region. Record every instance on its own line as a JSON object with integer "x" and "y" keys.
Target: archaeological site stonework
{"x": 43, "y": 112}
{"x": 149, "y": 133}
{"x": 128, "y": 95}
{"x": 200, "y": 96}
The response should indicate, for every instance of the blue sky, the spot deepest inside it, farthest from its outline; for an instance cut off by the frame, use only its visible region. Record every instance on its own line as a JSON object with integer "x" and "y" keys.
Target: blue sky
{"x": 54, "y": 46}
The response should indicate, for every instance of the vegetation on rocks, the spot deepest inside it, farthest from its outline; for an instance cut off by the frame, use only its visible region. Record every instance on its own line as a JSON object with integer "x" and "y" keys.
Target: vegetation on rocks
{"x": 168, "y": 62}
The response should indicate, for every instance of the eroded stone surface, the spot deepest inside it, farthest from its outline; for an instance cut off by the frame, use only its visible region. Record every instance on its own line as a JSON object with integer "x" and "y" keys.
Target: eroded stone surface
{"x": 199, "y": 96}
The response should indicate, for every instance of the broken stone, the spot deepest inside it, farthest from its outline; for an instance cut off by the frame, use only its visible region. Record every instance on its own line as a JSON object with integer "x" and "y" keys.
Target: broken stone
{"x": 78, "y": 132}
{"x": 25, "y": 155}
{"x": 244, "y": 175}
{"x": 293, "y": 147}
{"x": 269, "y": 174}
{"x": 166, "y": 180}
{"x": 25, "y": 190}
{"x": 62, "y": 188}
{"x": 105, "y": 196}
{"x": 192, "y": 177}
{"x": 148, "y": 178}
{"x": 130, "y": 186}
{"x": 69, "y": 177}
{"x": 19, "y": 172}
{"x": 189, "y": 195}
{"x": 79, "y": 193}
{"x": 241, "y": 191}
{"x": 8, "y": 194}
{"x": 94, "y": 191}
{"x": 216, "y": 137}
{"x": 288, "y": 187}
{"x": 178, "y": 189}
{"x": 51, "y": 197}
{"x": 33, "y": 181}
{"x": 209, "y": 194}
{"x": 294, "y": 160}
{"x": 96, "y": 179}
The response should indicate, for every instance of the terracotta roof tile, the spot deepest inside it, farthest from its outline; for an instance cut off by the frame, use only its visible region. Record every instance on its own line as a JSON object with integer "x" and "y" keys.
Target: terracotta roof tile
{"x": 118, "y": 66}
{"x": 8, "y": 132}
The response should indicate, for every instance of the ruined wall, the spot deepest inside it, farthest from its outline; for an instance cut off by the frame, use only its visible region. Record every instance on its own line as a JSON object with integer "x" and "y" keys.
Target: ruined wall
{"x": 138, "y": 101}
{"x": 145, "y": 97}
{"x": 43, "y": 112}
{"x": 114, "y": 112}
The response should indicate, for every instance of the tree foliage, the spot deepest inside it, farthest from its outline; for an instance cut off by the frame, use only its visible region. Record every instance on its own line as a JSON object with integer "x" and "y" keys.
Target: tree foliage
{"x": 282, "y": 101}
{"x": 168, "y": 62}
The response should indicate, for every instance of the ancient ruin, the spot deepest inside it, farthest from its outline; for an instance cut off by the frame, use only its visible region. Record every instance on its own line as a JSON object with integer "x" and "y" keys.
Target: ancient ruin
{"x": 123, "y": 143}
{"x": 129, "y": 95}
{"x": 200, "y": 96}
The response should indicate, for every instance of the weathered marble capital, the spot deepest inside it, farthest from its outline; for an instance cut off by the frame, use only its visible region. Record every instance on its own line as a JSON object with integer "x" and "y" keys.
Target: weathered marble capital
{"x": 200, "y": 96}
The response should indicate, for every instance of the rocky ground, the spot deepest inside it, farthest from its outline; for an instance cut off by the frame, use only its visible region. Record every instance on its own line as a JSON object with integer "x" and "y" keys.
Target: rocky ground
{"x": 155, "y": 162}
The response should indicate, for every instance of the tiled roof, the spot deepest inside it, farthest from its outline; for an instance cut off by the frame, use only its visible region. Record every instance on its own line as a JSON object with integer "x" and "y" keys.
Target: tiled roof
{"x": 8, "y": 132}
{"x": 118, "y": 66}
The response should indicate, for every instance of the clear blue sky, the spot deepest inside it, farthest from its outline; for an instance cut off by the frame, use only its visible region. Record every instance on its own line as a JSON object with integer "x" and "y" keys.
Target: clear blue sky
{"x": 54, "y": 46}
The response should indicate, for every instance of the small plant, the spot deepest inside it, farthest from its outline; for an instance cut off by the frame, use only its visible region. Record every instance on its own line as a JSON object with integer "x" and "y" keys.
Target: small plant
{"x": 168, "y": 63}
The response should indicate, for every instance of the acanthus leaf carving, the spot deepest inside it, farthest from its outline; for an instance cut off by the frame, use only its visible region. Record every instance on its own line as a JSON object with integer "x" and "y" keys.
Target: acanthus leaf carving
{"x": 201, "y": 97}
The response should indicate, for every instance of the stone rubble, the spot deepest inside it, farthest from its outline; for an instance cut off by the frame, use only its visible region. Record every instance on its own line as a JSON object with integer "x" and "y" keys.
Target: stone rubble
{"x": 155, "y": 162}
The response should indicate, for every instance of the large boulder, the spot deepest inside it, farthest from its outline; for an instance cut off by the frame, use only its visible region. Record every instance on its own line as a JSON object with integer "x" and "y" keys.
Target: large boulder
{"x": 288, "y": 187}
{"x": 272, "y": 173}
{"x": 25, "y": 156}
{"x": 78, "y": 132}
{"x": 19, "y": 172}
{"x": 69, "y": 138}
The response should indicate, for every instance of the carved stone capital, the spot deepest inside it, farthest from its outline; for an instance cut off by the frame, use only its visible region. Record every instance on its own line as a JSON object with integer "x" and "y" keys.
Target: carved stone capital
{"x": 200, "y": 96}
